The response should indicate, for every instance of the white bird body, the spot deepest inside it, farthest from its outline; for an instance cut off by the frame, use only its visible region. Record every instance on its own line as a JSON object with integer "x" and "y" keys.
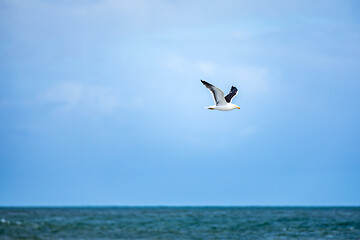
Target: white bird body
{"x": 222, "y": 103}
{"x": 227, "y": 107}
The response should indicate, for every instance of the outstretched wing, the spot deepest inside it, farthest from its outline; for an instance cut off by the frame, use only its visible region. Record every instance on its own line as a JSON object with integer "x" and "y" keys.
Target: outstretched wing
{"x": 218, "y": 95}
{"x": 231, "y": 95}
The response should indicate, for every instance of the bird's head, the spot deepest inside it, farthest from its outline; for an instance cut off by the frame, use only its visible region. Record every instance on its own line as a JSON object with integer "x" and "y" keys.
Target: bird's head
{"x": 234, "y": 106}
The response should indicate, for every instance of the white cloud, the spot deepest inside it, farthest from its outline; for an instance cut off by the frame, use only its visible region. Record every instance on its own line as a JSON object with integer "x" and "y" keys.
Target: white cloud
{"x": 252, "y": 81}
{"x": 68, "y": 93}
{"x": 75, "y": 96}
{"x": 103, "y": 98}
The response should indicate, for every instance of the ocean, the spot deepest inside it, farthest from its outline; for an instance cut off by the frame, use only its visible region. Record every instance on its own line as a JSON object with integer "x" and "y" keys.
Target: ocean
{"x": 180, "y": 223}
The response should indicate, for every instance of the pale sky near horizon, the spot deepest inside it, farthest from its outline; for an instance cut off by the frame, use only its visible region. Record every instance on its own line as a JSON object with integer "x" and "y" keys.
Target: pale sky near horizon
{"x": 101, "y": 102}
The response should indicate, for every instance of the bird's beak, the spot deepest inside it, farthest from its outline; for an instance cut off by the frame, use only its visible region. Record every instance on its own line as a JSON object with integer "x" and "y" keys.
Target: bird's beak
{"x": 238, "y": 107}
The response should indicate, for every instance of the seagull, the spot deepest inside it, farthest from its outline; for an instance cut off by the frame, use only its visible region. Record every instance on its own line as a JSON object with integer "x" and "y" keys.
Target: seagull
{"x": 222, "y": 103}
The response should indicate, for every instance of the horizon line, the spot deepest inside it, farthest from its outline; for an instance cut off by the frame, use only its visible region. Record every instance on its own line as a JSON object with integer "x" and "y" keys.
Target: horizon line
{"x": 169, "y": 206}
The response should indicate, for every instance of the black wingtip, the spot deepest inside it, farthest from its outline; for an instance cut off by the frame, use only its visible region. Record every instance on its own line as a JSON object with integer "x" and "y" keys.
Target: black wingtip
{"x": 206, "y": 84}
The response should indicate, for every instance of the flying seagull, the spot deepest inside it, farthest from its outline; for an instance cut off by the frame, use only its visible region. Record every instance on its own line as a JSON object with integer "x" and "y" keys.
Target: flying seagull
{"x": 222, "y": 103}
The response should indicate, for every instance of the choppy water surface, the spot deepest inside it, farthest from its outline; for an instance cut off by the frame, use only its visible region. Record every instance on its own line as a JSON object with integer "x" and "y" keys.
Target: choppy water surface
{"x": 180, "y": 223}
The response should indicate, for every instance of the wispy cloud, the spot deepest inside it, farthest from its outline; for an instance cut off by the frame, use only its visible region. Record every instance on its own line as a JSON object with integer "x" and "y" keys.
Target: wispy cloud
{"x": 67, "y": 93}
{"x": 252, "y": 81}
{"x": 75, "y": 96}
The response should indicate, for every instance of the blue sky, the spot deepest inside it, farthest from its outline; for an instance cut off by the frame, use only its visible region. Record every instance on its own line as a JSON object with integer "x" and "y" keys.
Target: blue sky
{"x": 101, "y": 102}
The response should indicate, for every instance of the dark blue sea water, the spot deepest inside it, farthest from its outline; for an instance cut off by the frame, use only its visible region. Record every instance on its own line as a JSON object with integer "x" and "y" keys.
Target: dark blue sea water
{"x": 180, "y": 223}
